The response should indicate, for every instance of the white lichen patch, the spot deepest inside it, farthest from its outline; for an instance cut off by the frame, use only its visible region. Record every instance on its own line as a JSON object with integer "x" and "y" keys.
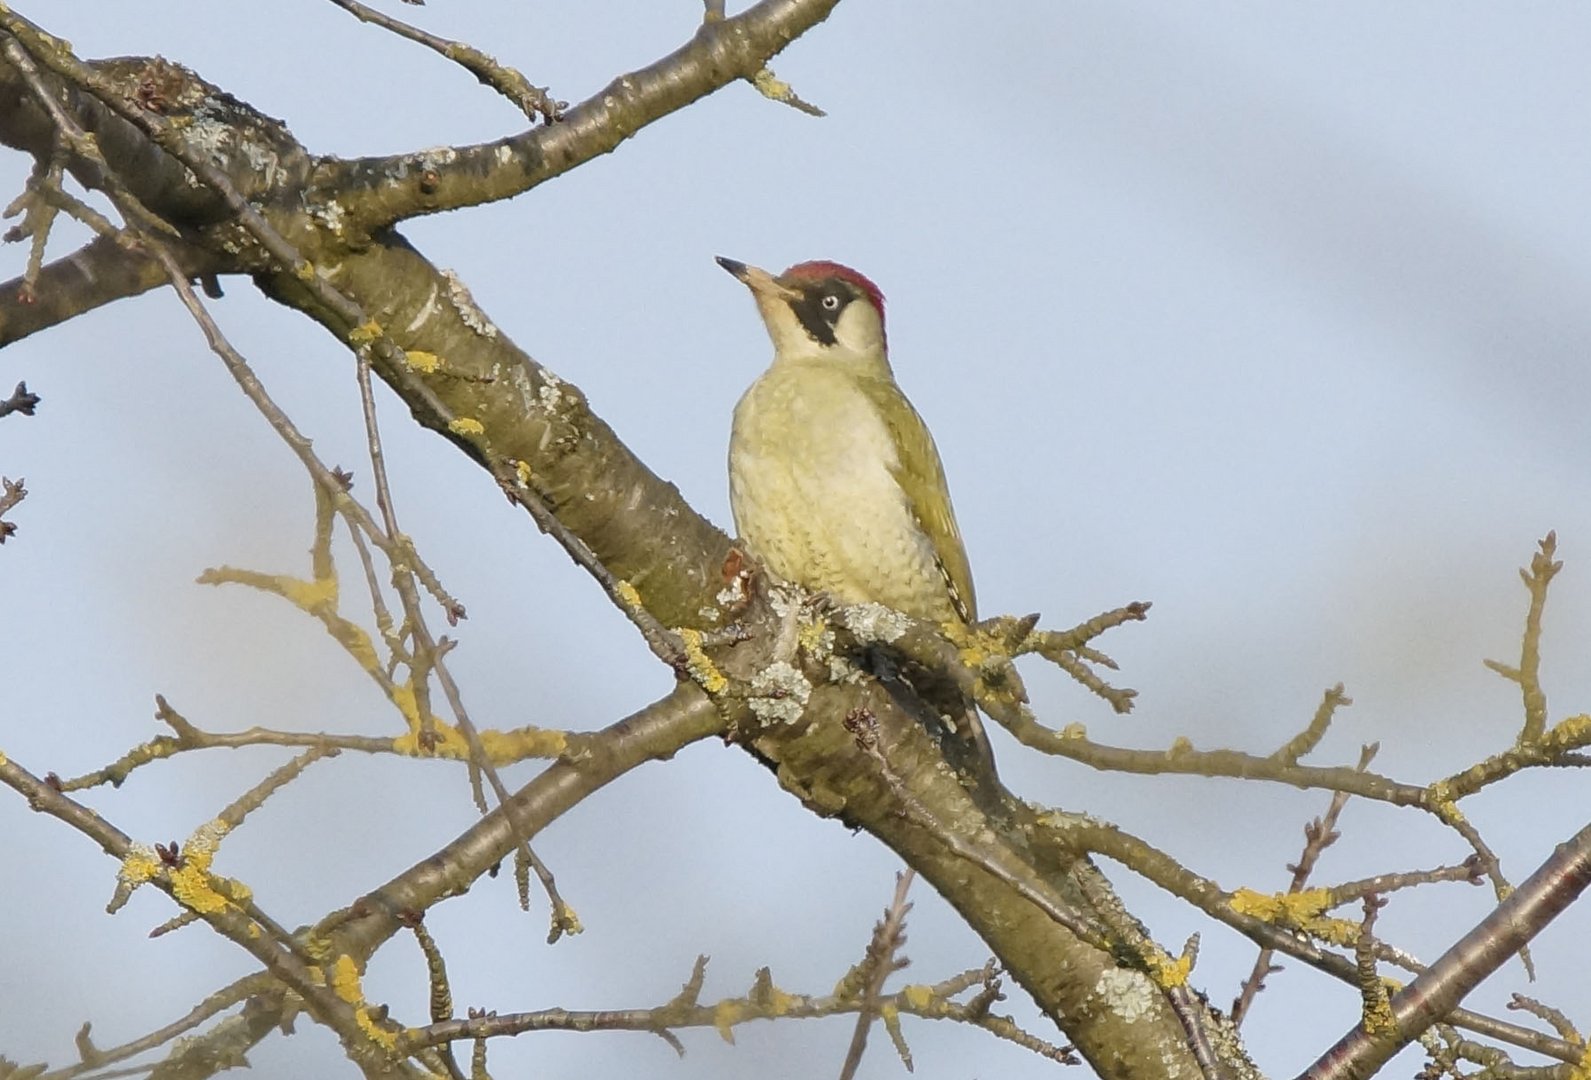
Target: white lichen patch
{"x": 785, "y": 602}
{"x": 842, "y": 670}
{"x": 505, "y": 154}
{"x": 779, "y": 693}
{"x": 1061, "y": 819}
{"x": 1127, "y": 993}
{"x": 213, "y": 131}
{"x": 209, "y": 131}
{"x": 435, "y": 157}
{"x": 329, "y": 214}
{"x": 874, "y": 622}
{"x": 733, "y": 594}
{"x": 551, "y": 393}
{"x": 464, "y": 304}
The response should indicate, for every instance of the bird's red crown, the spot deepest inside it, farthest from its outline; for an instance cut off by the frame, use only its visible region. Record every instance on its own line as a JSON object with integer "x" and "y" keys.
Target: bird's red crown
{"x": 819, "y": 269}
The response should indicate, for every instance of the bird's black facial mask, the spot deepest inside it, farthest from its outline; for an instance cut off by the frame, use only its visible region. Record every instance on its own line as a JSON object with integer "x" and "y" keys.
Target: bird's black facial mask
{"x": 820, "y": 307}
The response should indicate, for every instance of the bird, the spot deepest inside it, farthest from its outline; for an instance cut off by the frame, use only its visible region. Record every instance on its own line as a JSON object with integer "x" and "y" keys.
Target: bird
{"x": 835, "y": 483}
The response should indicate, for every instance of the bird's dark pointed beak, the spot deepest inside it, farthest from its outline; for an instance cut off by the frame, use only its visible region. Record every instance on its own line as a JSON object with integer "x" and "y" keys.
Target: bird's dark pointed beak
{"x": 758, "y": 280}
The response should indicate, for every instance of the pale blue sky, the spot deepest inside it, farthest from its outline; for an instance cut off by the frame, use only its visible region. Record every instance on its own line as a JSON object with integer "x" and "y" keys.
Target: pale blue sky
{"x": 1271, "y": 314}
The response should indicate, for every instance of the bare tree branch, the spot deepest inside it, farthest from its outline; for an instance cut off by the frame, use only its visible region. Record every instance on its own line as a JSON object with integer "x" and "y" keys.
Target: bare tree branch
{"x": 1539, "y": 899}
{"x": 383, "y": 191}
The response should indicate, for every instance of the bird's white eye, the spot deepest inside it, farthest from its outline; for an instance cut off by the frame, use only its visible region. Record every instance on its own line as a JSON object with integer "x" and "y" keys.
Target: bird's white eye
{"x": 831, "y": 303}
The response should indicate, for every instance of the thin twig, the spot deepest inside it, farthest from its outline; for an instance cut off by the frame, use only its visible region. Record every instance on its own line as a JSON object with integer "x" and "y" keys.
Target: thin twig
{"x": 1310, "y": 737}
{"x": 1318, "y": 836}
{"x": 20, "y": 401}
{"x": 888, "y": 936}
{"x": 95, "y": 1058}
{"x": 533, "y": 101}
{"x": 1543, "y": 568}
{"x": 12, "y": 492}
{"x": 765, "y": 1001}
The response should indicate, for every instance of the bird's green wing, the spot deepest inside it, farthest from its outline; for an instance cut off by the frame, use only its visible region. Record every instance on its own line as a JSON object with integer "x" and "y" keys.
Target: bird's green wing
{"x": 922, "y": 477}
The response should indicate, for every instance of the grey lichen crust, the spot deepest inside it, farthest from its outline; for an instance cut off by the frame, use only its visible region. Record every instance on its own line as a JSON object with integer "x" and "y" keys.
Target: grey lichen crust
{"x": 873, "y": 622}
{"x": 465, "y": 305}
{"x": 779, "y": 693}
{"x": 1129, "y": 994}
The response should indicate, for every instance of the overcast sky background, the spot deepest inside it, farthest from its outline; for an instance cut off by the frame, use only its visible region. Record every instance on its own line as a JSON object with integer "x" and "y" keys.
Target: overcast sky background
{"x": 1273, "y": 315}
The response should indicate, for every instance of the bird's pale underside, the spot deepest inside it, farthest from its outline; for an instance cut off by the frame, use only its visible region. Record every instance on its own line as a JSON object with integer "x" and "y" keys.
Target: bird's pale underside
{"x": 817, "y": 494}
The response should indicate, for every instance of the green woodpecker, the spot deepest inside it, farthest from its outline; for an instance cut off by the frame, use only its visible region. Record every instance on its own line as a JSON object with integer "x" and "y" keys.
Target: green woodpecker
{"x": 834, "y": 480}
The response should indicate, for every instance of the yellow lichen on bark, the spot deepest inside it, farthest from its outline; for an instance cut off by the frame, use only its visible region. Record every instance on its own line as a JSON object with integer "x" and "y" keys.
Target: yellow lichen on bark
{"x": 1582, "y": 1068}
{"x": 771, "y": 86}
{"x": 1165, "y": 971}
{"x": 568, "y": 920}
{"x": 777, "y": 1001}
{"x": 139, "y": 866}
{"x": 187, "y": 871}
{"x": 1443, "y": 805}
{"x": 466, "y": 425}
{"x": 702, "y": 669}
{"x": 1289, "y": 908}
{"x": 345, "y": 980}
{"x": 726, "y": 1014}
{"x": 310, "y": 596}
{"x": 345, "y": 984}
{"x": 507, "y": 747}
{"x": 1303, "y": 910}
{"x": 365, "y": 333}
{"x": 1571, "y": 733}
{"x": 446, "y": 741}
{"x": 1378, "y": 1017}
{"x": 815, "y": 638}
{"x": 628, "y": 594}
{"x": 191, "y": 882}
